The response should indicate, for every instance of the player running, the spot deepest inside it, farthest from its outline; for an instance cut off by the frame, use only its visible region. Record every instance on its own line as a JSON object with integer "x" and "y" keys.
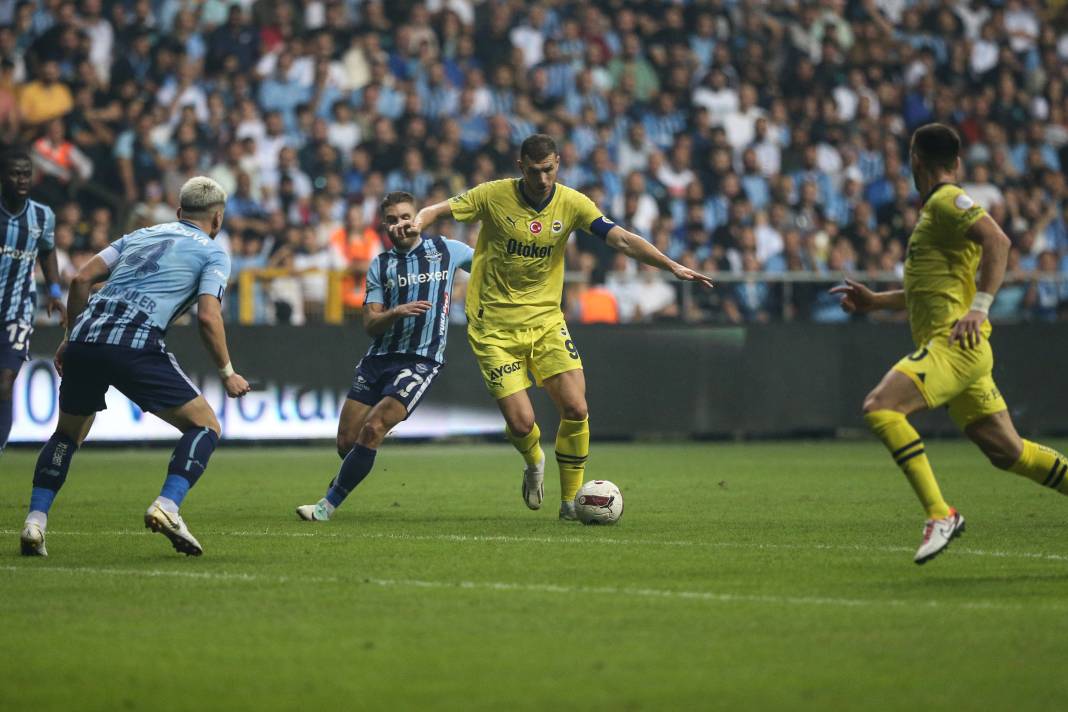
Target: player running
{"x": 153, "y": 276}
{"x": 27, "y": 233}
{"x": 515, "y": 324}
{"x": 406, "y": 310}
{"x": 953, "y": 363}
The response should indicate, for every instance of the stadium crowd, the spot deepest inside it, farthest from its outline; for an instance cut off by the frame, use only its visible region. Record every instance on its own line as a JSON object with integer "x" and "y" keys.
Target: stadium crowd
{"x": 741, "y": 138}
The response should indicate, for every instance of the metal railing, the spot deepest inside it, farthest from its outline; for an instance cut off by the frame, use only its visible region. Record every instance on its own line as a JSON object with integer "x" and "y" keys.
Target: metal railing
{"x": 333, "y": 308}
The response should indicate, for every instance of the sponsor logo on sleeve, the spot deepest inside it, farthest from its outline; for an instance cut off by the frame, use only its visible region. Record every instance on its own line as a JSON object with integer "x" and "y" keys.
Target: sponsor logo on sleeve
{"x": 963, "y": 202}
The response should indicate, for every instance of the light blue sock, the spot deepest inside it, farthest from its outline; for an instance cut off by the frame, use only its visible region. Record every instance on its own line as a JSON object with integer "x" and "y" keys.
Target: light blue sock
{"x": 41, "y": 499}
{"x": 175, "y": 488}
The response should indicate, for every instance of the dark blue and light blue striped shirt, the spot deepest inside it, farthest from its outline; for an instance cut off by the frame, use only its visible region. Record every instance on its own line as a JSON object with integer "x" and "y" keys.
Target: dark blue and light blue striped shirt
{"x": 424, "y": 273}
{"x": 157, "y": 273}
{"x": 22, "y": 236}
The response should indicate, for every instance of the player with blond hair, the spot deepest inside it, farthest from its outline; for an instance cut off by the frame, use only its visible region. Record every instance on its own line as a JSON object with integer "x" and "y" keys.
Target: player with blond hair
{"x": 152, "y": 276}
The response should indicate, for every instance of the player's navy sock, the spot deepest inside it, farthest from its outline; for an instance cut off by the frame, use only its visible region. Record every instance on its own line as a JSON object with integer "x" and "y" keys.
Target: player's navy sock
{"x": 7, "y": 407}
{"x": 51, "y": 471}
{"x": 354, "y": 469}
{"x": 188, "y": 463}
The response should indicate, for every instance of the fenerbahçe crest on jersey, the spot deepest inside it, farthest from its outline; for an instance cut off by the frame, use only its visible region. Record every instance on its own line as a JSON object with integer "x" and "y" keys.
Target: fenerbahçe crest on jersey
{"x": 941, "y": 263}
{"x": 518, "y": 272}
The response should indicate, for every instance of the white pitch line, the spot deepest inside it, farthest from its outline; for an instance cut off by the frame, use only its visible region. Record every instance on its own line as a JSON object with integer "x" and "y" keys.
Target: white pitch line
{"x": 159, "y": 573}
{"x": 505, "y": 539}
{"x": 570, "y": 591}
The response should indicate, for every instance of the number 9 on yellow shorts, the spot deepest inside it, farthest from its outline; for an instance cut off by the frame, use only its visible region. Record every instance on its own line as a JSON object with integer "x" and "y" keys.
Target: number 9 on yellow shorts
{"x": 954, "y": 376}
{"x": 510, "y": 359}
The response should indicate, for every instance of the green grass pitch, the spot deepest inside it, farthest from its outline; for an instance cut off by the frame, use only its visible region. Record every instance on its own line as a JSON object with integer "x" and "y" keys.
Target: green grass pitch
{"x": 742, "y": 576}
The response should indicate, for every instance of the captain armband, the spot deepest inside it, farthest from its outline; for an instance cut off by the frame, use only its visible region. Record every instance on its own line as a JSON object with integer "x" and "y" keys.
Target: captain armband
{"x": 601, "y": 226}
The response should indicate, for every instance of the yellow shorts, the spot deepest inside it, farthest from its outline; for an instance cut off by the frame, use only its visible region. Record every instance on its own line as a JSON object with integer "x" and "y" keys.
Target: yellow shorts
{"x": 959, "y": 378}
{"x": 506, "y": 357}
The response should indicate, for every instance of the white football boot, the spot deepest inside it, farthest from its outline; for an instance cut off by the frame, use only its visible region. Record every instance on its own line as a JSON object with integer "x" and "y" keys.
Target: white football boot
{"x": 534, "y": 484}
{"x": 32, "y": 540}
{"x": 172, "y": 526}
{"x": 313, "y": 512}
{"x": 567, "y": 512}
{"x": 937, "y": 533}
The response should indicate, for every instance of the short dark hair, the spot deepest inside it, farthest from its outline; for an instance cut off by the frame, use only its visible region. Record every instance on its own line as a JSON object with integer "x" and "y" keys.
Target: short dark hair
{"x": 11, "y": 155}
{"x": 937, "y": 145}
{"x": 395, "y": 197}
{"x": 537, "y": 147}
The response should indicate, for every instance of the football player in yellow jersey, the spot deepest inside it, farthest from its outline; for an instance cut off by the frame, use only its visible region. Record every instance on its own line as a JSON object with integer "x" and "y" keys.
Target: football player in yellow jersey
{"x": 953, "y": 363}
{"x": 515, "y": 325}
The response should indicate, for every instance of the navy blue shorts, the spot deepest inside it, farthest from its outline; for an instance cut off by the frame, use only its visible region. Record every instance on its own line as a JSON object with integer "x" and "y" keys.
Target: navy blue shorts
{"x": 14, "y": 344}
{"x": 401, "y": 376}
{"x": 151, "y": 379}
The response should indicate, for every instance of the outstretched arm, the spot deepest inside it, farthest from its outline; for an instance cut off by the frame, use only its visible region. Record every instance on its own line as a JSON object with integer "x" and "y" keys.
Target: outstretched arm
{"x": 213, "y": 334}
{"x": 638, "y": 248}
{"x": 987, "y": 233}
{"x": 858, "y": 299}
{"x": 429, "y": 215}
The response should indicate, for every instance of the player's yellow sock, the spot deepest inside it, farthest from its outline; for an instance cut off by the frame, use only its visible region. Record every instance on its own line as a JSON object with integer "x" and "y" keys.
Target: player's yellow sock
{"x": 572, "y": 451}
{"x": 529, "y": 445}
{"x": 906, "y": 447}
{"x": 1044, "y": 465}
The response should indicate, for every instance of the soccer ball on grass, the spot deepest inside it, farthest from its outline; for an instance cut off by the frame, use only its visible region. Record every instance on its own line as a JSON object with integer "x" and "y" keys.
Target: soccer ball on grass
{"x": 599, "y": 502}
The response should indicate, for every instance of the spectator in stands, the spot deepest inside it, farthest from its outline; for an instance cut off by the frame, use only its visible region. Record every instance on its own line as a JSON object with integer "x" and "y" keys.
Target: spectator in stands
{"x": 45, "y": 98}
{"x": 672, "y": 113}
{"x": 356, "y": 244}
{"x": 60, "y": 165}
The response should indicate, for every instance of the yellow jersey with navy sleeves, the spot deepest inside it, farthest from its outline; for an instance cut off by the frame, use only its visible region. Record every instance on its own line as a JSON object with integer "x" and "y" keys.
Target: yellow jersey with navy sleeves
{"x": 941, "y": 263}
{"x": 517, "y": 275}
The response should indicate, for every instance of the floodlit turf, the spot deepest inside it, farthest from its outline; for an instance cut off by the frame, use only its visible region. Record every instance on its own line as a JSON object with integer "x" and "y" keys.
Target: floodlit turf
{"x": 750, "y": 576}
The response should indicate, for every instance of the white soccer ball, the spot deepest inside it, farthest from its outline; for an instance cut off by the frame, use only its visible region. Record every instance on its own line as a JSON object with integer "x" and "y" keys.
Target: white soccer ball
{"x": 599, "y": 502}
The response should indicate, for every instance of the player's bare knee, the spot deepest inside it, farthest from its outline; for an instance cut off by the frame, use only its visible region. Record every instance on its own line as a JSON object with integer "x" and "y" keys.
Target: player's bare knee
{"x": 575, "y": 411}
{"x": 373, "y": 433}
{"x": 520, "y": 425}
{"x": 871, "y": 403}
{"x": 1002, "y": 454}
{"x": 214, "y": 426}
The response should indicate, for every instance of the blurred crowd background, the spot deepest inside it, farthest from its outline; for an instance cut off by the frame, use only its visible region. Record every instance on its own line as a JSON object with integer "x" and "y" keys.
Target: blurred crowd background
{"x": 762, "y": 141}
